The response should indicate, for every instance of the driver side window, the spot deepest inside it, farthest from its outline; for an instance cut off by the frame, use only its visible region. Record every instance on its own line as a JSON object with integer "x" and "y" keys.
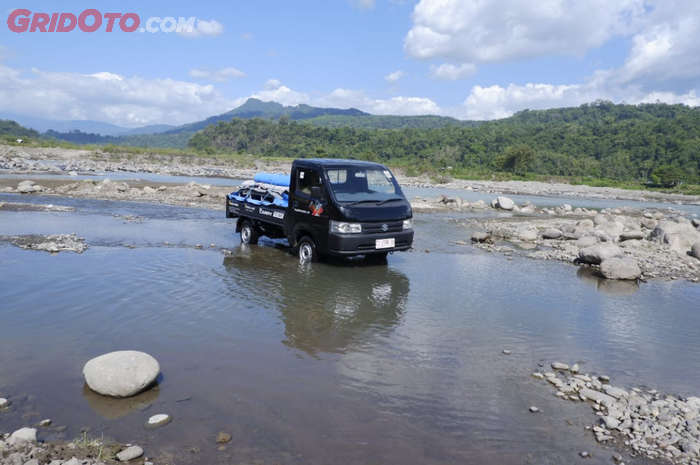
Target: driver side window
{"x": 306, "y": 179}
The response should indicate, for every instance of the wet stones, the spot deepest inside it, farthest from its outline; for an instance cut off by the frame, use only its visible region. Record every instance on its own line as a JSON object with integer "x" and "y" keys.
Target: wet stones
{"x": 121, "y": 374}
{"x": 623, "y": 268}
{"x": 223, "y": 437}
{"x": 560, "y": 366}
{"x": 4, "y": 402}
{"x": 656, "y": 426}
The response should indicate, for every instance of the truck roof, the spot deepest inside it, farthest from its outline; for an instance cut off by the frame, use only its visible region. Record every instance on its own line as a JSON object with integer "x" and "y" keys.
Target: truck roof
{"x": 338, "y": 162}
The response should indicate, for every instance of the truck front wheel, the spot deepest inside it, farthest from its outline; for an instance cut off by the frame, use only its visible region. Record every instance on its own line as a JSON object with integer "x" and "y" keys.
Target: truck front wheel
{"x": 249, "y": 235}
{"x": 307, "y": 250}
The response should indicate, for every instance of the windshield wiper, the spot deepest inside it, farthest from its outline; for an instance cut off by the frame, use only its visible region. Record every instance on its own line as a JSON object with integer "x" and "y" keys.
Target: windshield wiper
{"x": 359, "y": 201}
{"x": 389, "y": 200}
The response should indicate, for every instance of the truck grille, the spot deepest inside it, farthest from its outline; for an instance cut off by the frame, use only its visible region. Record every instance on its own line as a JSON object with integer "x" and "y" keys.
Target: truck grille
{"x": 379, "y": 228}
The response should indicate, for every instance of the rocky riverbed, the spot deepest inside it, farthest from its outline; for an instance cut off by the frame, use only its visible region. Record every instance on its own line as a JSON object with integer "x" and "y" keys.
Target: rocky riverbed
{"x": 642, "y": 421}
{"x": 621, "y": 243}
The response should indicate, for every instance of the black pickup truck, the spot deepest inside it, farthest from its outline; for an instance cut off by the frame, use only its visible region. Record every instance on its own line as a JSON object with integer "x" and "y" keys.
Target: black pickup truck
{"x": 326, "y": 208}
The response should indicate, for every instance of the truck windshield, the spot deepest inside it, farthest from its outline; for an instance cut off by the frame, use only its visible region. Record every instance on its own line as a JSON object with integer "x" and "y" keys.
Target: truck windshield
{"x": 354, "y": 185}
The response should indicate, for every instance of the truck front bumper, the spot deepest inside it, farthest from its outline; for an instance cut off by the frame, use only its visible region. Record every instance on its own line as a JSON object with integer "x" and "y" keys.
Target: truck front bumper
{"x": 364, "y": 244}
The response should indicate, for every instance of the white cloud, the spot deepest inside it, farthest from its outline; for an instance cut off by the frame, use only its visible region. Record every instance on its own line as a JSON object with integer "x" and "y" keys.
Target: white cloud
{"x": 363, "y": 4}
{"x": 665, "y": 51}
{"x": 478, "y": 31}
{"x": 211, "y": 28}
{"x": 217, "y": 75}
{"x": 450, "y": 72}
{"x": 393, "y": 78}
{"x": 348, "y": 98}
{"x": 275, "y": 91}
{"x": 127, "y": 101}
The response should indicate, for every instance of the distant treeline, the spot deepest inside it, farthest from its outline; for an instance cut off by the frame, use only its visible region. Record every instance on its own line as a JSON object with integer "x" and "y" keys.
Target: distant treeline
{"x": 621, "y": 142}
{"x": 172, "y": 141}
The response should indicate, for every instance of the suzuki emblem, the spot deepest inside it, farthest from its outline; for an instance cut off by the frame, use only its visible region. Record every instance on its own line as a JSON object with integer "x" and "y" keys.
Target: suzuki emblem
{"x": 385, "y": 227}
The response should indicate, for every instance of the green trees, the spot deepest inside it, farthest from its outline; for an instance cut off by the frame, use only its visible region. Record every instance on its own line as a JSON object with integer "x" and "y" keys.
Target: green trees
{"x": 667, "y": 175}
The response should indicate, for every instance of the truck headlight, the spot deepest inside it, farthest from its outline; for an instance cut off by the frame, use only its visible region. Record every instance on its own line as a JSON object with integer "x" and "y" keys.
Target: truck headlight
{"x": 407, "y": 224}
{"x": 345, "y": 228}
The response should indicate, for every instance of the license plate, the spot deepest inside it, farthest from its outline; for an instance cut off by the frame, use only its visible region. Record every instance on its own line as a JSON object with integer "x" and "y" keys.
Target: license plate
{"x": 385, "y": 243}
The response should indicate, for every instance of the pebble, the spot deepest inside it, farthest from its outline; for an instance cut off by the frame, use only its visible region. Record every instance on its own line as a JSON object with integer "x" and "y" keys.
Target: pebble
{"x": 560, "y": 366}
{"x": 130, "y": 453}
{"x": 506, "y": 352}
{"x": 222, "y": 437}
{"x": 4, "y": 402}
{"x": 156, "y": 421}
{"x": 584, "y": 454}
{"x": 534, "y": 409}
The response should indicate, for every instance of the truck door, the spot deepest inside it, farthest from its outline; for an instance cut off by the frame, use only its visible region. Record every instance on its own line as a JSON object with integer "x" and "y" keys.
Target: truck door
{"x": 309, "y": 203}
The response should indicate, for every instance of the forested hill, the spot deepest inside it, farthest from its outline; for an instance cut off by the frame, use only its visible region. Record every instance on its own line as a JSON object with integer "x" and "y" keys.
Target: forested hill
{"x": 11, "y": 128}
{"x": 622, "y": 142}
{"x": 254, "y": 108}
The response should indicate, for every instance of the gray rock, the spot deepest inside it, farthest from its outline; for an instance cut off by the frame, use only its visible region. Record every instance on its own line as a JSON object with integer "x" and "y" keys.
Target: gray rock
{"x": 534, "y": 409}
{"x": 130, "y": 453}
{"x": 649, "y": 224}
{"x": 528, "y": 236}
{"x": 678, "y": 235}
{"x": 615, "y": 392}
{"x": 695, "y": 222}
{"x": 73, "y": 461}
{"x": 602, "y": 219}
{"x": 598, "y": 397}
{"x": 632, "y": 235}
{"x": 586, "y": 241}
{"x": 121, "y": 374}
{"x": 482, "y": 237}
{"x": 560, "y": 366}
{"x": 4, "y": 402}
{"x": 149, "y": 190}
{"x": 156, "y": 421}
{"x": 596, "y": 254}
{"x": 25, "y": 189}
{"x": 552, "y": 234}
{"x": 504, "y": 203}
{"x": 624, "y": 268}
{"x": 695, "y": 250}
{"x": 25, "y": 183}
{"x": 586, "y": 225}
{"x": 22, "y": 436}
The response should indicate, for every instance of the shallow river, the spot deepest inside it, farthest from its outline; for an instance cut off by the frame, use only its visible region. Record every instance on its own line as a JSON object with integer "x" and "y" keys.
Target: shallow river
{"x": 345, "y": 362}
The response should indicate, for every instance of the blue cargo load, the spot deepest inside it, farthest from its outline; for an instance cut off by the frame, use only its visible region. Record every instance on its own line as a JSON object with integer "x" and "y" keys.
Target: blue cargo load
{"x": 274, "y": 179}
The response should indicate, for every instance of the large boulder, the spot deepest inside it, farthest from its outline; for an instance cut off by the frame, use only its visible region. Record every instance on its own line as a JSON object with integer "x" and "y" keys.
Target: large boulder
{"x": 552, "y": 234}
{"x": 121, "y": 374}
{"x": 596, "y": 254}
{"x": 528, "y": 235}
{"x": 632, "y": 235}
{"x": 504, "y": 203}
{"x": 620, "y": 268}
{"x": 679, "y": 235}
{"x": 695, "y": 250}
{"x": 22, "y": 437}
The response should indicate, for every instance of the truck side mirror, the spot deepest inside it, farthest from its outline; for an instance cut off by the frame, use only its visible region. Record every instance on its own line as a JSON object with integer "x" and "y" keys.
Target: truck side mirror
{"x": 316, "y": 192}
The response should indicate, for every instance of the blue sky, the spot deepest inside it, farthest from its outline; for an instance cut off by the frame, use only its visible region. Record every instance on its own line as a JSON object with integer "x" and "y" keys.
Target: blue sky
{"x": 472, "y": 59}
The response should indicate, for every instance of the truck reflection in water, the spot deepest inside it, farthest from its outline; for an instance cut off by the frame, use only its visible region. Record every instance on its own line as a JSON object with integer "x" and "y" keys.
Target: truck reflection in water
{"x": 334, "y": 308}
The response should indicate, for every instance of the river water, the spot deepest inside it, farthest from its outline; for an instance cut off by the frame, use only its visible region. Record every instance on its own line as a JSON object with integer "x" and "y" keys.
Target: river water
{"x": 343, "y": 362}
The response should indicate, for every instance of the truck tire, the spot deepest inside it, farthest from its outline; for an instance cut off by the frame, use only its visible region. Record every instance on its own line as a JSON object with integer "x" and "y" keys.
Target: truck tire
{"x": 249, "y": 234}
{"x": 307, "y": 250}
